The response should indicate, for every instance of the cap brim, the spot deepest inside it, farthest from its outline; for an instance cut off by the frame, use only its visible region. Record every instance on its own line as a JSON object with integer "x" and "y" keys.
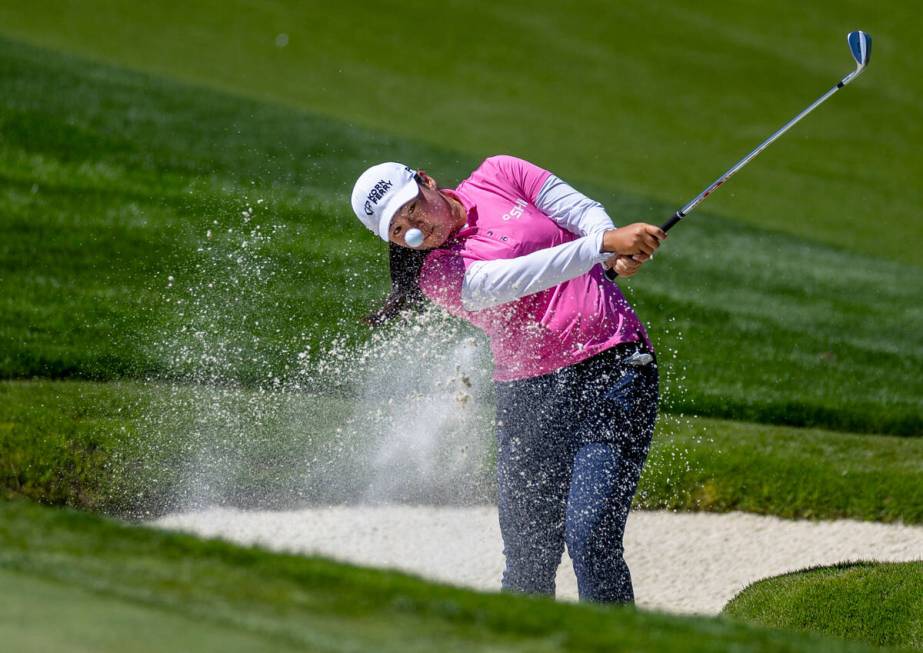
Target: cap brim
{"x": 404, "y": 195}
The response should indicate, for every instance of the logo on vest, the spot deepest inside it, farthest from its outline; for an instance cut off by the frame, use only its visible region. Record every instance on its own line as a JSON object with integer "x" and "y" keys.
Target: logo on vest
{"x": 517, "y": 210}
{"x": 378, "y": 191}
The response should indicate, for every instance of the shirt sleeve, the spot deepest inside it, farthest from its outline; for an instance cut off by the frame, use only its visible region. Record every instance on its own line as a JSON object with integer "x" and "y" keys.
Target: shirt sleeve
{"x": 490, "y": 283}
{"x": 571, "y": 209}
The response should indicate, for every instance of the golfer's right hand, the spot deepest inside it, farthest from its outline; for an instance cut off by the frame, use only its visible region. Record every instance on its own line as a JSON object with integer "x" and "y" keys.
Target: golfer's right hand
{"x": 638, "y": 240}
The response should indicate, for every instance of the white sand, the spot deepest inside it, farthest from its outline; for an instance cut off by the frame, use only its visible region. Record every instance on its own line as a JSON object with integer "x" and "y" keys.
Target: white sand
{"x": 680, "y": 562}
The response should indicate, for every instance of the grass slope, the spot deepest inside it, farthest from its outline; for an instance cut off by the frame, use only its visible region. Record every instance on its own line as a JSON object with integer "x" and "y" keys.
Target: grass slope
{"x": 115, "y": 182}
{"x": 95, "y": 622}
{"x": 878, "y": 603}
{"x": 94, "y": 446}
{"x": 157, "y": 578}
{"x": 654, "y": 99}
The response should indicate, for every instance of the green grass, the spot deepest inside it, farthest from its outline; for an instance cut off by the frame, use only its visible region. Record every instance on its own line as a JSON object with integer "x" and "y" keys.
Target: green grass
{"x": 704, "y": 464}
{"x": 653, "y": 99}
{"x": 128, "y": 448}
{"x": 27, "y": 601}
{"x": 113, "y": 180}
{"x": 124, "y": 257}
{"x": 878, "y": 603}
{"x": 147, "y": 579}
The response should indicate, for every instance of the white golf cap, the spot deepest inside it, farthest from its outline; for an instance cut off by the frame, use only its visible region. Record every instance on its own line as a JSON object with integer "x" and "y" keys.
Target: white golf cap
{"x": 380, "y": 191}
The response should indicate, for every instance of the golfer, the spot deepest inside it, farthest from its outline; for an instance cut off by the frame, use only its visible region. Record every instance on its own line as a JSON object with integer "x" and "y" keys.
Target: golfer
{"x": 520, "y": 254}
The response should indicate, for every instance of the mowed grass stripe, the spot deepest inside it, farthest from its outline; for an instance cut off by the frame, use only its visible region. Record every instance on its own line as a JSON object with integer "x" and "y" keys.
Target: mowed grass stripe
{"x": 321, "y": 605}
{"x": 119, "y": 181}
{"x": 106, "y": 447}
{"x": 655, "y": 100}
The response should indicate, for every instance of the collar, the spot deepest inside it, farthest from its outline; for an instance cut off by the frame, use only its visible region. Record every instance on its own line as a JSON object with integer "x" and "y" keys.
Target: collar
{"x": 471, "y": 211}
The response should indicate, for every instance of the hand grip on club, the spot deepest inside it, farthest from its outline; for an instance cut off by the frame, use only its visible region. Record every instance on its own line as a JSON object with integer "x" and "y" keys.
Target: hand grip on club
{"x": 612, "y": 275}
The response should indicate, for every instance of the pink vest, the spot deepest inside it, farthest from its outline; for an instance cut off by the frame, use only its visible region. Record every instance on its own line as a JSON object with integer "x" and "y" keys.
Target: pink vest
{"x": 543, "y": 332}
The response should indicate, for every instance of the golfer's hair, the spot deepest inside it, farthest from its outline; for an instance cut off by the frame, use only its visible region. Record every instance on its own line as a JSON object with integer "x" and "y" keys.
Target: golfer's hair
{"x": 405, "y": 265}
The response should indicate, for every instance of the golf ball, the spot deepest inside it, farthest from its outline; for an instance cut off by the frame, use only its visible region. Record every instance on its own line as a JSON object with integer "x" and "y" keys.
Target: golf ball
{"x": 413, "y": 238}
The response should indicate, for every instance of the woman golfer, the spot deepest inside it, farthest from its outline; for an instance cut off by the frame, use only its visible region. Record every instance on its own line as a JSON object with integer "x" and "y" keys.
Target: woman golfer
{"x": 520, "y": 254}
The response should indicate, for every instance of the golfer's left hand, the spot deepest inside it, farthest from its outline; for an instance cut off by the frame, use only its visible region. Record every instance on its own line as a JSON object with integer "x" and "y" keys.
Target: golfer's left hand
{"x": 625, "y": 266}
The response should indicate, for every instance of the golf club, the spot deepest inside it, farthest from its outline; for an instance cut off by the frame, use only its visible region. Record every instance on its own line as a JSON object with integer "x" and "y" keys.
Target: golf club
{"x": 860, "y": 45}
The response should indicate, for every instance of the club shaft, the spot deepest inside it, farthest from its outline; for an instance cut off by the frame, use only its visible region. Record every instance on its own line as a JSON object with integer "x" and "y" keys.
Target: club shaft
{"x": 683, "y": 212}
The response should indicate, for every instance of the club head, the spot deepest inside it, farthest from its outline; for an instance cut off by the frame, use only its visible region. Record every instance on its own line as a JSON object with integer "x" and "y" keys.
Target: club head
{"x": 860, "y": 45}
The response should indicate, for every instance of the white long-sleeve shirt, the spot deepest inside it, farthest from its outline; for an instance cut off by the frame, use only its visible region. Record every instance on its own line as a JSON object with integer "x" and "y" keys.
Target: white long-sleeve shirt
{"x": 490, "y": 283}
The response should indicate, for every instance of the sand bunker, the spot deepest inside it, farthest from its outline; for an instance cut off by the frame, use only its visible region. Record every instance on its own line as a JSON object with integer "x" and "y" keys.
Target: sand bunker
{"x": 680, "y": 562}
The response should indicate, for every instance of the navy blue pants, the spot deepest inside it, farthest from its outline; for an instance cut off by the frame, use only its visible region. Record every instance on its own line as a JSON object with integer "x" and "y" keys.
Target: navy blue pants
{"x": 571, "y": 448}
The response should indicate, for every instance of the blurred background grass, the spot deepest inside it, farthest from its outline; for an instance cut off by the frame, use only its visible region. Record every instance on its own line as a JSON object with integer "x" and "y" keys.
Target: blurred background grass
{"x": 174, "y": 228}
{"x": 646, "y": 98}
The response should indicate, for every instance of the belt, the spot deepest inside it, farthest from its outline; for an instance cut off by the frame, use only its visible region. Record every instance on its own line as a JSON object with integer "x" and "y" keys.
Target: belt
{"x": 634, "y": 354}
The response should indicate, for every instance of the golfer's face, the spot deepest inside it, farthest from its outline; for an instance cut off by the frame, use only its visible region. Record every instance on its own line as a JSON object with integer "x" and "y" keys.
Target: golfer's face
{"x": 429, "y": 212}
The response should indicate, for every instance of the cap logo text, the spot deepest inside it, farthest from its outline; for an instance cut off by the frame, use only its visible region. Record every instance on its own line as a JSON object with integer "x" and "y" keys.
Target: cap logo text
{"x": 378, "y": 191}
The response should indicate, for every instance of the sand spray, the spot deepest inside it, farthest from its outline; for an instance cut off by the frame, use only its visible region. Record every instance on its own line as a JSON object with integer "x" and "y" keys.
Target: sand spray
{"x": 403, "y": 415}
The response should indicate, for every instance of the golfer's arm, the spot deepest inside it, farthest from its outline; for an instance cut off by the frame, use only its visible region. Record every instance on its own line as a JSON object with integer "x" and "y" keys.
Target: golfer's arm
{"x": 490, "y": 283}
{"x": 571, "y": 209}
